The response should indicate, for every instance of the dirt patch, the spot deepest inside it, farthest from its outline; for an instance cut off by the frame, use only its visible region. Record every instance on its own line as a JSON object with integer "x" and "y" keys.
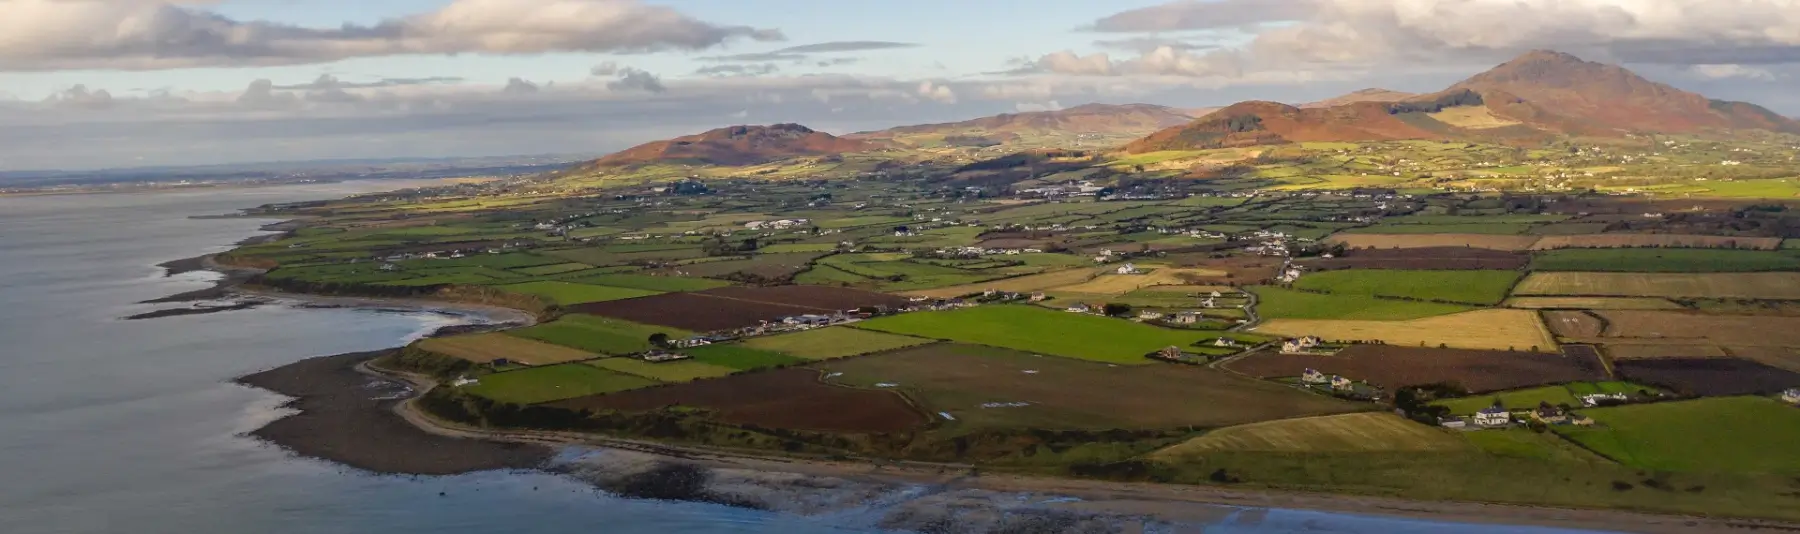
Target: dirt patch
{"x": 1779, "y": 357}
{"x": 1392, "y": 367}
{"x": 1682, "y": 328}
{"x": 1651, "y": 352}
{"x": 785, "y": 398}
{"x": 819, "y": 297}
{"x": 1711, "y": 377}
{"x": 1574, "y": 324}
{"x": 347, "y": 417}
{"x": 1238, "y": 270}
{"x": 1430, "y": 258}
{"x": 693, "y": 311}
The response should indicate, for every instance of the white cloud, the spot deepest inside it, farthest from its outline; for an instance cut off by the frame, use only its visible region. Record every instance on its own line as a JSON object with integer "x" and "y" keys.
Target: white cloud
{"x": 1162, "y": 61}
{"x": 148, "y": 34}
{"x": 1027, "y": 107}
{"x": 633, "y": 79}
{"x": 1728, "y": 70}
{"x": 936, "y": 93}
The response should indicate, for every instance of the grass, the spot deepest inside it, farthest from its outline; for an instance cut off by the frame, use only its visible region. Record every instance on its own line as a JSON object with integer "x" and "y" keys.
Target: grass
{"x": 1357, "y": 432}
{"x": 565, "y": 293}
{"x": 1664, "y": 260}
{"x": 833, "y": 342}
{"x": 483, "y": 348}
{"x": 740, "y": 357}
{"x": 1479, "y": 329}
{"x": 644, "y": 282}
{"x": 545, "y": 384}
{"x": 1592, "y": 303}
{"x": 1043, "y": 331}
{"x": 554, "y": 268}
{"x": 1730, "y": 434}
{"x": 1278, "y": 303}
{"x": 1469, "y": 287}
{"x": 598, "y": 334}
{"x": 676, "y": 371}
{"x": 1783, "y": 286}
{"x": 1527, "y": 444}
{"x": 1512, "y": 400}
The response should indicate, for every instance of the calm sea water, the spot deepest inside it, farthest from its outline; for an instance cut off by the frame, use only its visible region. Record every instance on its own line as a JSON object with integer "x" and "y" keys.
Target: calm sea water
{"x": 133, "y": 426}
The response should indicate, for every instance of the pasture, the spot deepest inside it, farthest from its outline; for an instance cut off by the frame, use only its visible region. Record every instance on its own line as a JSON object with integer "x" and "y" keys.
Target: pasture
{"x": 1591, "y": 303}
{"x": 739, "y": 357}
{"x": 1279, "y": 303}
{"x": 1664, "y": 260}
{"x": 1355, "y": 432}
{"x": 1453, "y": 258}
{"x": 1391, "y": 367}
{"x": 556, "y": 382}
{"x": 1487, "y": 241}
{"x": 832, "y": 342}
{"x": 1039, "y": 330}
{"x": 784, "y": 398}
{"x": 567, "y": 293}
{"x": 1021, "y": 284}
{"x": 1722, "y": 435}
{"x": 484, "y": 348}
{"x": 1553, "y": 242}
{"x": 1479, "y": 329}
{"x": 1465, "y": 287}
{"x": 993, "y": 387}
{"x": 658, "y": 284}
{"x": 1784, "y": 286}
{"x": 675, "y": 371}
{"x": 1119, "y": 284}
{"x": 598, "y": 334}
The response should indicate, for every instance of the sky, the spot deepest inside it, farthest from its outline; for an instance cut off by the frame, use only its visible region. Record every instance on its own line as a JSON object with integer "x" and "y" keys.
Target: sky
{"x": 122, "y": 83}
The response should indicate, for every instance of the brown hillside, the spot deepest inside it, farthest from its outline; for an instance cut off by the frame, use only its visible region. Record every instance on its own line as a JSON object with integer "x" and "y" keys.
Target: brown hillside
{"x": 1365, "y": 95}
{"x": 1563, "y": 93}
{"x": 1258, "y": 123}
{"x": 1131, "y": 119}
{"x": 739, "y": 145}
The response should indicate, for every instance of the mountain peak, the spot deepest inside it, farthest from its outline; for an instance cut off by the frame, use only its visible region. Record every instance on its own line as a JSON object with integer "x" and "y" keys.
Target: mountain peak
{"x": 739, "y": 145}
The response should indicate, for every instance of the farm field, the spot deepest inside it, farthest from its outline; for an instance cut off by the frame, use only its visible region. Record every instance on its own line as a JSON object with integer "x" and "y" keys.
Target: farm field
{"x": 1356, "y": 432}
{"x": 1786, "y": 358}
{"x": 1664, "y": 260}
{"x": 693, "y": 311}
{"x": 1490, "y": 228}
{"x": 1450, "y": 258}
{"x": 1591, "y": 303}
{"x": 833, "y": 342}
{"x": 824, "y": 299}
{"x": 1467, "y": 287}
{"x": 567, "y": 293}
{"x": 1553, "y": 242}
{"x": 1621, "y": 351}
{"x": 980, "y": 385}
{"x": 768, "y": 266}
{"x": 1708, "y": 377}
{"x": 1119, "y": 284}
{"x": 554, "y": 268}
{"x": 1486, "y": 241}
{"x": 1708, "y": 285}
{"x": 1579, "y": 325}
{"x": 1680, "y": 328}
{"x": 659, "y": 284}
{"x": 598, "y": 334}
{"x": 676, "y": 371}
{"x": 782, "y": 398}
{"x": 484, "y": 348}
{"x": 1734, "y": 434}
{"x": 556, "y": 382}
{"x": 1479, "y": 329}
{"x": 1080, "y": 336}
{"x": 1279, "y": 303}
{"x": 1391, "y": 367}
{"x": 1520, "y": 399}
{"x": 739, "y": 357}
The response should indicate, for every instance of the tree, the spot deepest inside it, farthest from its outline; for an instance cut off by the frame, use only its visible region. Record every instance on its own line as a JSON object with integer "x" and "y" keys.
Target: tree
{"x": 1117, "y": 310}
{"x": 659, "y": 340}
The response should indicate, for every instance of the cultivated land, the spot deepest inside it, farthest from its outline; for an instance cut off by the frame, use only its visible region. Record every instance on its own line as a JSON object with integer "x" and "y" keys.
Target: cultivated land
{"x": 1001, "y": 388}
{"x": 1452, "y": 258}
{"x": 1392, "y": 367}
{"x": 1485, "y": 241}
{"x": 1709, "y": 285}
{"x": 1664, "y": 260}
{"x": 1656, "y": 240}
{"x": 1480, "y": 329}
{"x": 1464, "y": 287}
{"x": 785, "y": 398}
{"x": 484, "y": 348}
{"x": 1278, "y": 303}
{"x": 598, "y": 334}
{"x": 1022, "y": 284}
{"x": 1722, "y": 435}
{"x": 556, "y": 382}
{"x": 693, "y": 311}
{"x": 1027, "y": 328}
{"x": 1591, "y": 303}
{"x": 567, "y": 293}
{"x": 833, "y": 342}
{"x": 1366, "y": 432}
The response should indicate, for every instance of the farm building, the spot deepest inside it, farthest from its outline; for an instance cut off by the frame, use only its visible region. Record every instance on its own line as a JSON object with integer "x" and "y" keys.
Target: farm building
{"x": 1150, "y": 315}
{"x": 1342, "y": 383}
{"x": 1039, "y": 297}
{"x": 1128, "y": 269}
{"x": 1225, "y": 342}
{"x": 1598, "y": 398}
{"x": 1078, "y": 308}
{"x": 1493, "y": 416}
{"x": 1791, "y": 395}
{"x": 1313, "y": 377}
{"x": 1550, "y": 415}
{"x": 1186, "y": 317}
{"x": 1299, "y": 344}
{"x": 1452, "y": 422}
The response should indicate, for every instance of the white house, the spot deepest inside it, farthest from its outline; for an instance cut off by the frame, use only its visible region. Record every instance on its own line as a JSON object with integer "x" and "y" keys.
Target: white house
{"x": 1078, "y": 308}
{"x": 1225, "y": 342}
{"x": 1208, "y": 303}
{"x": 1341, "y": 383}
{"x": 1597, "y": 398}
{"x": 1300, "y": 344}
{"x": 1128, "y": 269}
{"x": 1452, "y": 422}
{"x": 1493, "y": 416}
{"x": 1791, "y": 395}
{"x": 1150, "y": 315}
{"x": 1313, "y": 377}
{"x": 1187, "y": 317}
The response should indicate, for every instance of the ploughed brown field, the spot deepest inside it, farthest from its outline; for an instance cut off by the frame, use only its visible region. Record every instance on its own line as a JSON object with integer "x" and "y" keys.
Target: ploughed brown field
{"x": 692, "y": 311}
{"x": 1710, "y": 377}
{"x": 792, "y": 399}
{"x": 819, "y": 297}
{"x": 1391, "y": 367}
{"x": 1233, "y": 270}
{"x": 1684, "y": 328}
{"x": 1433, "y": 258}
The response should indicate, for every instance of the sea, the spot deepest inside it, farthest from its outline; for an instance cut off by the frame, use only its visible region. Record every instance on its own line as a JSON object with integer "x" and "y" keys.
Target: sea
{"x": 109, "y": 425}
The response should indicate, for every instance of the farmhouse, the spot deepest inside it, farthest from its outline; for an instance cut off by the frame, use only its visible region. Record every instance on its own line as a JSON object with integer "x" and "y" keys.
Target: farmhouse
{"x": 1299, "y": 344}
{"x": 1313, "y": 377}
{"x": 1225, "y": 342}
{"x": 1342, "y": 383}
{"x": 1493, "y": 416}
{"x": 1128, "y": 269}
{"x": 1039, "y": 296}
{"x": 1078, "y": 308}
{"x": 1598, "y": 398}
{"x": 1186, "y": 317}
{"x": 1452, "y": 422}
{"x": 657, "y": 356}
{"x": 1550, "y": 415}
{"x": 1792, "y": 395}
{"x": 1148, "y": 315}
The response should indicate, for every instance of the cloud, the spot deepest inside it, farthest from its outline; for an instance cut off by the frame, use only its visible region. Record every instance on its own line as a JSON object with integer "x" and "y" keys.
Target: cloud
{"x": 802, "y": 52}
{"x": 751, "y": 69}
{"x": 1162, "y": 61}
{"x": 519, "y": 86}
{"x": 837, "y": 61}
{"x": 1029, "y": 107}
{"x": 1718, "y": 72}
{"x": 1204, "y": 15}
{"x": 1149, "y": 44}
{"x": 261, "y": 95}
{"x": 329, "y": 82}
{"x": 632, "y": 79}
{"x": 937, "y": 93}
{"x": 152, "y": 34}
{"x": 79, "y": 96}
{"x": 605, "y": 69}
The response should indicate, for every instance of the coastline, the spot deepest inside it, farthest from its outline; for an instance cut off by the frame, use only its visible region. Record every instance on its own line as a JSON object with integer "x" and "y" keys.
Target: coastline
{"x": 354, "y": 414}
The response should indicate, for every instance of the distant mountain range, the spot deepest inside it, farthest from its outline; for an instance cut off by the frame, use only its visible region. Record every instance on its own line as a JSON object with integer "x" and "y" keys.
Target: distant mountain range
{"x": 1537, "y": 96}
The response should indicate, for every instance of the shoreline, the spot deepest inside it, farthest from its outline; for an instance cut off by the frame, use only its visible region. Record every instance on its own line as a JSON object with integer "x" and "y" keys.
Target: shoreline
{"x": 351, "y": 413}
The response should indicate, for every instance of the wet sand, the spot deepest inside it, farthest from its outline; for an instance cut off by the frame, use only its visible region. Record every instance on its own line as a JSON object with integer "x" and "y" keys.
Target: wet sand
{"x": 347, "y": 416}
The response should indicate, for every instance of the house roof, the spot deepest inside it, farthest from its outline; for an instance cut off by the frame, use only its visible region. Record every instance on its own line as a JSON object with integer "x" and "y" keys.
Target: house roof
{"x": 1492, "y": 410}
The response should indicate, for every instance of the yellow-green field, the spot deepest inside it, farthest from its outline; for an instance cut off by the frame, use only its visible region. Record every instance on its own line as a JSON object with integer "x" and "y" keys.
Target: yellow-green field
{"x": 1356, "y": 432}
{"x": 1703, "y": 285}
{"x": 1591, "y": 303}
{"x": 1479, "y": 329}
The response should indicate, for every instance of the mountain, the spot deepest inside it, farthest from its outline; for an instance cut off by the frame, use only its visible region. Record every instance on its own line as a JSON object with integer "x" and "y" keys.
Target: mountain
{"x": 1365, "y": 95}
{"x": 1537, "y": 96}
{"x": 1128, "y": 120}
{"x": 739, "y": 145}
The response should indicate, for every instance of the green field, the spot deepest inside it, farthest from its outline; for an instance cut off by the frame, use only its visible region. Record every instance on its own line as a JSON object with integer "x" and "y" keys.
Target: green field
{"x": 833, "y": 342}
{"x": 676, "y": 371}
{"x": 1470, "y": 287}
{"x": 557, "y": 382}
{"x": 740, "y": 357}
{"x": 566, "y": 293}
{"x": 1278, "y": 303}
{"x": 664, "y": 284}
{"x": 1512, "y": 400}
{"x": 598, "y": 334}
{"x": 554, "y": 268}
{"x": 1728, "y": 434}
{"x": 1043, "y": 331}
{"x": 1527, "y": 444}
{"x": 1664, "y": 260}
{"x": 1495, "y": 228}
